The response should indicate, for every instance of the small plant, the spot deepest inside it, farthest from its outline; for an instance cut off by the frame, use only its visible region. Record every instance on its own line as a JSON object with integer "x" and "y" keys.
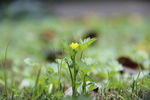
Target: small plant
{"x": 74, "y": 65}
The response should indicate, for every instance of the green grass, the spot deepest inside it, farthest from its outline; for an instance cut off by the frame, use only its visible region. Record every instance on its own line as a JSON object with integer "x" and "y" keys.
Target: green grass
{"x": 25, "y": 74}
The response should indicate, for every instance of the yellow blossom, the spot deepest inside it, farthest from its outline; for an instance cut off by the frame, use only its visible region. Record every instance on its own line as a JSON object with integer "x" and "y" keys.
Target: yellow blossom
{"x": 74, "y": 45}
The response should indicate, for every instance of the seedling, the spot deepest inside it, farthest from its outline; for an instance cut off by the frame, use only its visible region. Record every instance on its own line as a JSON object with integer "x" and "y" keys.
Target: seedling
{"x": 77, "y": 50}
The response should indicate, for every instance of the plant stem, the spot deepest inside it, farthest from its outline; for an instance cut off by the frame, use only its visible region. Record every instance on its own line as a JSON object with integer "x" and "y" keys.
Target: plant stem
{"x": 59, "y": 74}
{"x": 35, "y": 85}
{"x": 75, "y": 74}
{"x": 74, "y": 86}
{"x": 84, "y": 85}
{"x": 5, "y": 71}
{"x": 71, "y": 76}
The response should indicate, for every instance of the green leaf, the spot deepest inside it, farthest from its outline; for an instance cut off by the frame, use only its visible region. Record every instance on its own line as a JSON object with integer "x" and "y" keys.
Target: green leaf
{"x": 2, "y": 82}
{"x": 52, "y": 67}
{"x": 30, "y": 62}
{"x": 91, "y": 85}
{"x": 85, "y": 43}
{"x": 88, "y": 61}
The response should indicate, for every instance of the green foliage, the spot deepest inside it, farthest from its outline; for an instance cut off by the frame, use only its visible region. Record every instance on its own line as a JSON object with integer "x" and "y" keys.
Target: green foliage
{"x": 76, "y": 73}
{"x": 75, "y": 64}
{"x": 85, "y": 43}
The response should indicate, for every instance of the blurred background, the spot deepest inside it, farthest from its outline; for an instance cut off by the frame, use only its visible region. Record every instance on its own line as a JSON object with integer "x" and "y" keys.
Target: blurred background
{"x": 36, "y": 28}
{"x": 72, "y": 8}
{"x": 34, "y": 33}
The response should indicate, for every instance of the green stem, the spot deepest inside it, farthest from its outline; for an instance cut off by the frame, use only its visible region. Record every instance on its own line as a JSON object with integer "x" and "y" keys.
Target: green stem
{"x": 84, "y": 85}
{"x": 5, "y": 71}
{"x": 74, "y": 87}
{"x": 59, "y": 74}
{"x": 36, "y": 85}
{"x": 71, "y": 76}
{"x": 75, "y": 74}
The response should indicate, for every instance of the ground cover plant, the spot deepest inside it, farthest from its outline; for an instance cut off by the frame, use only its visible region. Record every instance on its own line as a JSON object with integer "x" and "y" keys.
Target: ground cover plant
{"x": 84, "y": 59}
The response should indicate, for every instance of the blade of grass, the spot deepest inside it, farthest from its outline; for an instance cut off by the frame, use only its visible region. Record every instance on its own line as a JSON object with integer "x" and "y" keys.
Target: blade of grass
{"x": 5, "y": 71}
{"x": 35, "y": 85}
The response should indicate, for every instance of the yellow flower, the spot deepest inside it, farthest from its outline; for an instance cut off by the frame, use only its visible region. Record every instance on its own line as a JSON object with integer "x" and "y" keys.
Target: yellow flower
{"x": 74, "y": 45}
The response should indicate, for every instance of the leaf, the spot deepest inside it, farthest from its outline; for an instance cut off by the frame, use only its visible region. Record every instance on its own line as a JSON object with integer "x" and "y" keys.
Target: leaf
{"x": 91, "y": 86}
{"x": 53, "y": 67}
{"x": 30, "y": 62}
{"x": 63, "y": 62}
{"x": 83, "y": 66}
{"x": 2, "y": 82}
{"x": 50, "y": 70}
{"x": 85, "y": 43}
{"x": 88, "y": 61}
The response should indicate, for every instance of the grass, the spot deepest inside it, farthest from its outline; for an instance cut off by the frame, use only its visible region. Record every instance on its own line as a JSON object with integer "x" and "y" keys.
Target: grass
{"x": 39, "y": 64}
